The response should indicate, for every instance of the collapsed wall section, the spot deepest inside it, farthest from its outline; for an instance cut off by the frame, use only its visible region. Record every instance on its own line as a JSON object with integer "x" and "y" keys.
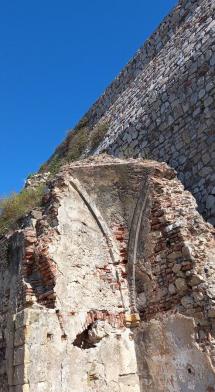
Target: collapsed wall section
{"x": 102, "y": 280}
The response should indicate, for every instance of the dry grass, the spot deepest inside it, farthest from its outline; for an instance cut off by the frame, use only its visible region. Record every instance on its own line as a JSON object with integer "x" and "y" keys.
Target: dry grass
{"x": 76, "y": 143}
{"x": 15, "y": 206}
{"x": 98, "y": 134}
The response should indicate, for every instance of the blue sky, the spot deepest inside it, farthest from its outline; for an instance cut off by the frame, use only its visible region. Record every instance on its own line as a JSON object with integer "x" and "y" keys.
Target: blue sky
{"x": 56, "y": 58}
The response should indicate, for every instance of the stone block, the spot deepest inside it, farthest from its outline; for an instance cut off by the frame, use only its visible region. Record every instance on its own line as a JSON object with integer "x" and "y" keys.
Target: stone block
{"x": 181, "y": 285}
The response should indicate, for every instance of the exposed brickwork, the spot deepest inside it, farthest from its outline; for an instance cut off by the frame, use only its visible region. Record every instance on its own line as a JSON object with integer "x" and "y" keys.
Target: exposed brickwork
{"x": 38, "y": 271}
{"x": 116, "y": 320}
{"x": 117, "y": 247}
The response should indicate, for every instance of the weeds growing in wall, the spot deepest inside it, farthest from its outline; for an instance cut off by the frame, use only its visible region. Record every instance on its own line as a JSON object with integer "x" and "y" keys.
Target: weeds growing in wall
{"x": 15, "y": 206}
{"x": 98, "y": 134}
{"x": 78, "y": 142}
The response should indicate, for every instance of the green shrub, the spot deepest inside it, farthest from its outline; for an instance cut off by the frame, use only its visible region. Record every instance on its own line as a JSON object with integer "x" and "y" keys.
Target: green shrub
{"x": 30, "y": 176}
{"x": 43, "y": 167}
{"x": 98, "y": 134}
{"x": 17, "y": 205}
{"x": 54, "y": 165}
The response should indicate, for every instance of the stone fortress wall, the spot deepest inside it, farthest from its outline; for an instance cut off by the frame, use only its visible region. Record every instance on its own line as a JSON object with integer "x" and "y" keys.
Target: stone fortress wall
{"x": 161, "y": 106}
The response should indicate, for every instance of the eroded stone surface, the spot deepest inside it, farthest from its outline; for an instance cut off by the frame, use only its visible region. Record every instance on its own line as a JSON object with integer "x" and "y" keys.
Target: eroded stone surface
{"x": 117, "y": 241}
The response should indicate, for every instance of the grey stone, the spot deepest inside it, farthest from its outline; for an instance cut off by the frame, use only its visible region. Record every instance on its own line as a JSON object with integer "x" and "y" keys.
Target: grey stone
{"x": 172, "y": 289}
{"x": 187, "y": 301}
{"x": 196, "y": 280}
{"x": 181, "y": 284}
{"x": 210, "y": 203}
{"x": 212, "y": 61}
{"x": 201, "y": 93}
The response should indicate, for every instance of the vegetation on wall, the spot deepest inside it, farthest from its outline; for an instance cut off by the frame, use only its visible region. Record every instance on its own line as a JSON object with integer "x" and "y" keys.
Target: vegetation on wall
{"x": 30, "y": 176}
{"x": 79, "y": 141}
{"x": 15, "y": 206}
{"x": 54, "y": 166}
{"x": 98, "y": 134}
{"x": 83, "y": 123}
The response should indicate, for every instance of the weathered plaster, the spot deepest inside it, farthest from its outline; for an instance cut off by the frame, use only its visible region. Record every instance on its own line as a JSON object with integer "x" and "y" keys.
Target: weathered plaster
{"x": 110, "y": 287}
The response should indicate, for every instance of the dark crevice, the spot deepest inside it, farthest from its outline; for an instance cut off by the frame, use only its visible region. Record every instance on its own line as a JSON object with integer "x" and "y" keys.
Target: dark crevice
{"x": 82, "y": 340}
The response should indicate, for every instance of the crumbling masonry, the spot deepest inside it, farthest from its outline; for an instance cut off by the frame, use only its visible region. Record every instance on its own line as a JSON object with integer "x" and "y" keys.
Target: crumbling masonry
{"x": 109, "y": 286}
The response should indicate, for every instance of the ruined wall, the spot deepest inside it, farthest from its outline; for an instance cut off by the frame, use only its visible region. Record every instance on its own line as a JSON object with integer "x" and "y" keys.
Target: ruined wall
{"x": 110, "y": 286}
{"x": 4, "y": 302}
{"x": 161, "y": 106}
